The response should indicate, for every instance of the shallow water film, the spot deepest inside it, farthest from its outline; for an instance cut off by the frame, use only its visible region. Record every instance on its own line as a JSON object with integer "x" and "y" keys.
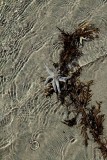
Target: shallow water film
{"x": 31, "y": 125}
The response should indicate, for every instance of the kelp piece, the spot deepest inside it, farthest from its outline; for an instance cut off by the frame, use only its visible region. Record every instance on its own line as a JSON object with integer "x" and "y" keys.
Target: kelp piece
{"x": 76, "y": 95}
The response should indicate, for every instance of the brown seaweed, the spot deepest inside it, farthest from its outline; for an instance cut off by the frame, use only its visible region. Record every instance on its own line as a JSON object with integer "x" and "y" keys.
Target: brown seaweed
{"x": 70, "y": 122}
{"x": 75, "y": 94}
{"x": 71, "y": 42}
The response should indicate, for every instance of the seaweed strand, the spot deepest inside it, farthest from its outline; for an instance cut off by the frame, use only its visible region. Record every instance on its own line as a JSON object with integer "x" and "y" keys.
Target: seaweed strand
{"x": 76, "y": 94}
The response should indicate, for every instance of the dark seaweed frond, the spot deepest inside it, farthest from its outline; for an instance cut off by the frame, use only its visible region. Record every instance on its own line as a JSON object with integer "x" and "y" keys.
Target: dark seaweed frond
{"x": 103, "y": 148}
{"x": 88, "y": 31}
{"x": 76, "y": 95}
{"x": 95, "y": 119}
{"x": 48, "y": 91}
{"x": 70, "y": 122}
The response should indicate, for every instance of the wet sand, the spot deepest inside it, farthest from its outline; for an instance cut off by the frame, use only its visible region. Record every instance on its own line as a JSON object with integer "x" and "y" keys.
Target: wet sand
{"x": 30, "y": 123}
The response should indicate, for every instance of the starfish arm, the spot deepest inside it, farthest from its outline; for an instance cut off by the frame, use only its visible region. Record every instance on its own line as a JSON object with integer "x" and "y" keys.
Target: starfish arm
{"x": 57, "y": 85}
{"x": 54, "y": 85}
{"x": 50, "y": 72}
{"x": 64, "y": 79}
{"x": 48, "y": 79}
{"x": 81, "y": 40}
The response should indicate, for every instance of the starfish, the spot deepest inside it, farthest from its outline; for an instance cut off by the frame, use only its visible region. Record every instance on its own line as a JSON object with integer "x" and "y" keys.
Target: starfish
{"x": 55, "y": 78}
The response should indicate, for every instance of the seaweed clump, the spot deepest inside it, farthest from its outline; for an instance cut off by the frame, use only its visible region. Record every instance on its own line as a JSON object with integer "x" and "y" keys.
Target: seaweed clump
{"x": 76, "y": 95}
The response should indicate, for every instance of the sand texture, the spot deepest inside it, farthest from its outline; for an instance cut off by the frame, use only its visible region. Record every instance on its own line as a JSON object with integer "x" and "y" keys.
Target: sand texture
{"x": 30, "y": 123}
